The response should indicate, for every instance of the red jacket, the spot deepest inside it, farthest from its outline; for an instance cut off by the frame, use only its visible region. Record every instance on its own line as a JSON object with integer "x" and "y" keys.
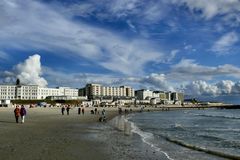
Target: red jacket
{"x": 17, "y": 112}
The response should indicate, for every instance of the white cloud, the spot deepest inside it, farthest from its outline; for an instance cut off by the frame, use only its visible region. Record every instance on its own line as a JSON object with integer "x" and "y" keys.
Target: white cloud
{"x": 224, "y": 44}
{"x": 157, "y": 81}
{"x": 188, "y": 69}
{"x": 154, "y": 80}
{"x": 224, "y": 87}
{"x": 172, "y": 55}
{"x": 122, "y": 8}
{"x": 59, "y": 78}
{"x": 140, "y": 11}
{"x": 200, "y": 88}
{"x": 46, "y": 29}
{"x": 30, "y": 71}
{"x": 236, "y": 88}
{"x": 211, "y": 8}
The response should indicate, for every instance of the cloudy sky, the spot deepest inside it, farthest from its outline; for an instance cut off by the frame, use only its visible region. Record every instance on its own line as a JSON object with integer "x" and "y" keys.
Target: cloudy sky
{"x": 186, "y": 45}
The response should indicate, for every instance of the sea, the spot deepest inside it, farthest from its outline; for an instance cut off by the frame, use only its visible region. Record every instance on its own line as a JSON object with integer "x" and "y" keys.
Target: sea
{"x": 227, "y": 99}
{"x": 209, "y": 134}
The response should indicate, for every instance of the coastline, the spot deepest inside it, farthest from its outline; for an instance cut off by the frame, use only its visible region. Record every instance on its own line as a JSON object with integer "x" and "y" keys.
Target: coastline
{"x": 46, "y": 134}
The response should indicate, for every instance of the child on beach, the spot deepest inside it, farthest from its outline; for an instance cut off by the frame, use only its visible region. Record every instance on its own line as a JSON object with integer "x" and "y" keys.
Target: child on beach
{"x": 23, "y": 113}
{"x": 17, "y": 113}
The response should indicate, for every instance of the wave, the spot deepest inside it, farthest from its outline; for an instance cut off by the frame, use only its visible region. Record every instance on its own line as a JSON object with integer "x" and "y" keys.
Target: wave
{"x": 209, "y": 137}
{"x": 216, "y": 116}
{"x": 146, "y": 138}
{"x": 202, "y": 149}
{"x": 223, "y": 129}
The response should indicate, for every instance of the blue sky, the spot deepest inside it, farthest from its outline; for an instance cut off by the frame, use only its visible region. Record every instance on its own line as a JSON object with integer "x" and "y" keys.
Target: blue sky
{"x": 186, "y": 45}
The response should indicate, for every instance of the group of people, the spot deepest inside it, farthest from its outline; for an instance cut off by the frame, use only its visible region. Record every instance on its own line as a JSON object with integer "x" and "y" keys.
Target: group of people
{"x": 67, "y": 108}
{"x": 20, "y": 112}
{"x": 81, "y": 111}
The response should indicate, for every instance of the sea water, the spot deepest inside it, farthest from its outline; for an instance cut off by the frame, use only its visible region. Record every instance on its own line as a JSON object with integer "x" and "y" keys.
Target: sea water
{"x": 191, "y": 134}
{"x": 210, "y": 134}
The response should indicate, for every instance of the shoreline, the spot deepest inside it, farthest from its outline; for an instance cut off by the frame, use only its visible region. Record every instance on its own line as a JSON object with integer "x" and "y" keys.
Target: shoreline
{"x": 46, "y": 134}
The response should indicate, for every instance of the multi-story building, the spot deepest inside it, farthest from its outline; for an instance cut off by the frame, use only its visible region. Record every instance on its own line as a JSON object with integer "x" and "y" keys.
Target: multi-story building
{"x": 31, "y": 92}
{"x": 128, "y": 91}
{"x": 8, "y": 91}
{"x": 45, "y": 92}
{"x": 144, "y": 94}
{"x": 67, "y": 91}
{"x": 167, "y": 96}
{"x": 97, "y": 90}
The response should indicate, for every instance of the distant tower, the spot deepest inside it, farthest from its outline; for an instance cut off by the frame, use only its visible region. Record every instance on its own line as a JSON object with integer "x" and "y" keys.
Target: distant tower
{"x": 18, "y": 82}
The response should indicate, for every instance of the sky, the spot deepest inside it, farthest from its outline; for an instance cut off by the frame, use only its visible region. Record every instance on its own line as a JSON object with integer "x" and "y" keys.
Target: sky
{"x": 172, "y": 45}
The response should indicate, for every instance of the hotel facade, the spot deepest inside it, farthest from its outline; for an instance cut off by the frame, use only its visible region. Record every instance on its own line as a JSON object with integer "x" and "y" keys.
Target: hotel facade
{"x": 33, "y": 92}
{"x": 97, "y": 90}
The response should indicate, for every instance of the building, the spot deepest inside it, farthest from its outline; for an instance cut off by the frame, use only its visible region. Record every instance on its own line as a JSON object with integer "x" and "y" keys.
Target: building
{"x": 93, "y": 91}
{"x": 82, "y": 92}
{"x": 5, "y": 103}
{"x": 33, "y": 92}
{"x": 66, "y": 98}
{"x": 144, "y": 94}
{"x": 67, "y": 91}
{"x": 158, "y": 96}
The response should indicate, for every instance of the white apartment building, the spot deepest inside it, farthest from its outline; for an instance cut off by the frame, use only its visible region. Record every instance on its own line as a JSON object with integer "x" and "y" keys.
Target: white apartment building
{"x": 92, "y": 90}
{"x": 169, "y": 96}
{"x": 31, "y": 92}
{"x": 67, "y": 91}
{"x": 7, "y": 92}
{"x": 45, "y": 92}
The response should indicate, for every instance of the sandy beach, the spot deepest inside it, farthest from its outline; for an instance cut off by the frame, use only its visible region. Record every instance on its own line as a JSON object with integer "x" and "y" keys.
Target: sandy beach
{"x": 46, "y": 134}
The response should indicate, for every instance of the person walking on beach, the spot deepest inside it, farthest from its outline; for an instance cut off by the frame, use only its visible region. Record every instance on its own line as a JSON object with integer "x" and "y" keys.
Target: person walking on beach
{"x": 23, "y": 113}
{"x": 79, "y": 110}
{"x": 68, "y": 108}
{"x": 17, "y": 113}
{"x": 83, "y": 111}
{"x": 103, "y": 117}
{"x": 63, "y": 110}
{"x": 95, "y": 110}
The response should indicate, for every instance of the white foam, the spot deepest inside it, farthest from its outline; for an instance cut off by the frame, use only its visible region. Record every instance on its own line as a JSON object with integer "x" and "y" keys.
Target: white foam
{"x": 146, "y": 138}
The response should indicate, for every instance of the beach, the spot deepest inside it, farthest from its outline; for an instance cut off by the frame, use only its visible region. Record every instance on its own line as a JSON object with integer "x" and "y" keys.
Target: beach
{"x": 46, "y": 134}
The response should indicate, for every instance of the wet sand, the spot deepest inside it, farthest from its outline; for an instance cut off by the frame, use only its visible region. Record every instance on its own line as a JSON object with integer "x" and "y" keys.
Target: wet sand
{"x": 46, "y": 134}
